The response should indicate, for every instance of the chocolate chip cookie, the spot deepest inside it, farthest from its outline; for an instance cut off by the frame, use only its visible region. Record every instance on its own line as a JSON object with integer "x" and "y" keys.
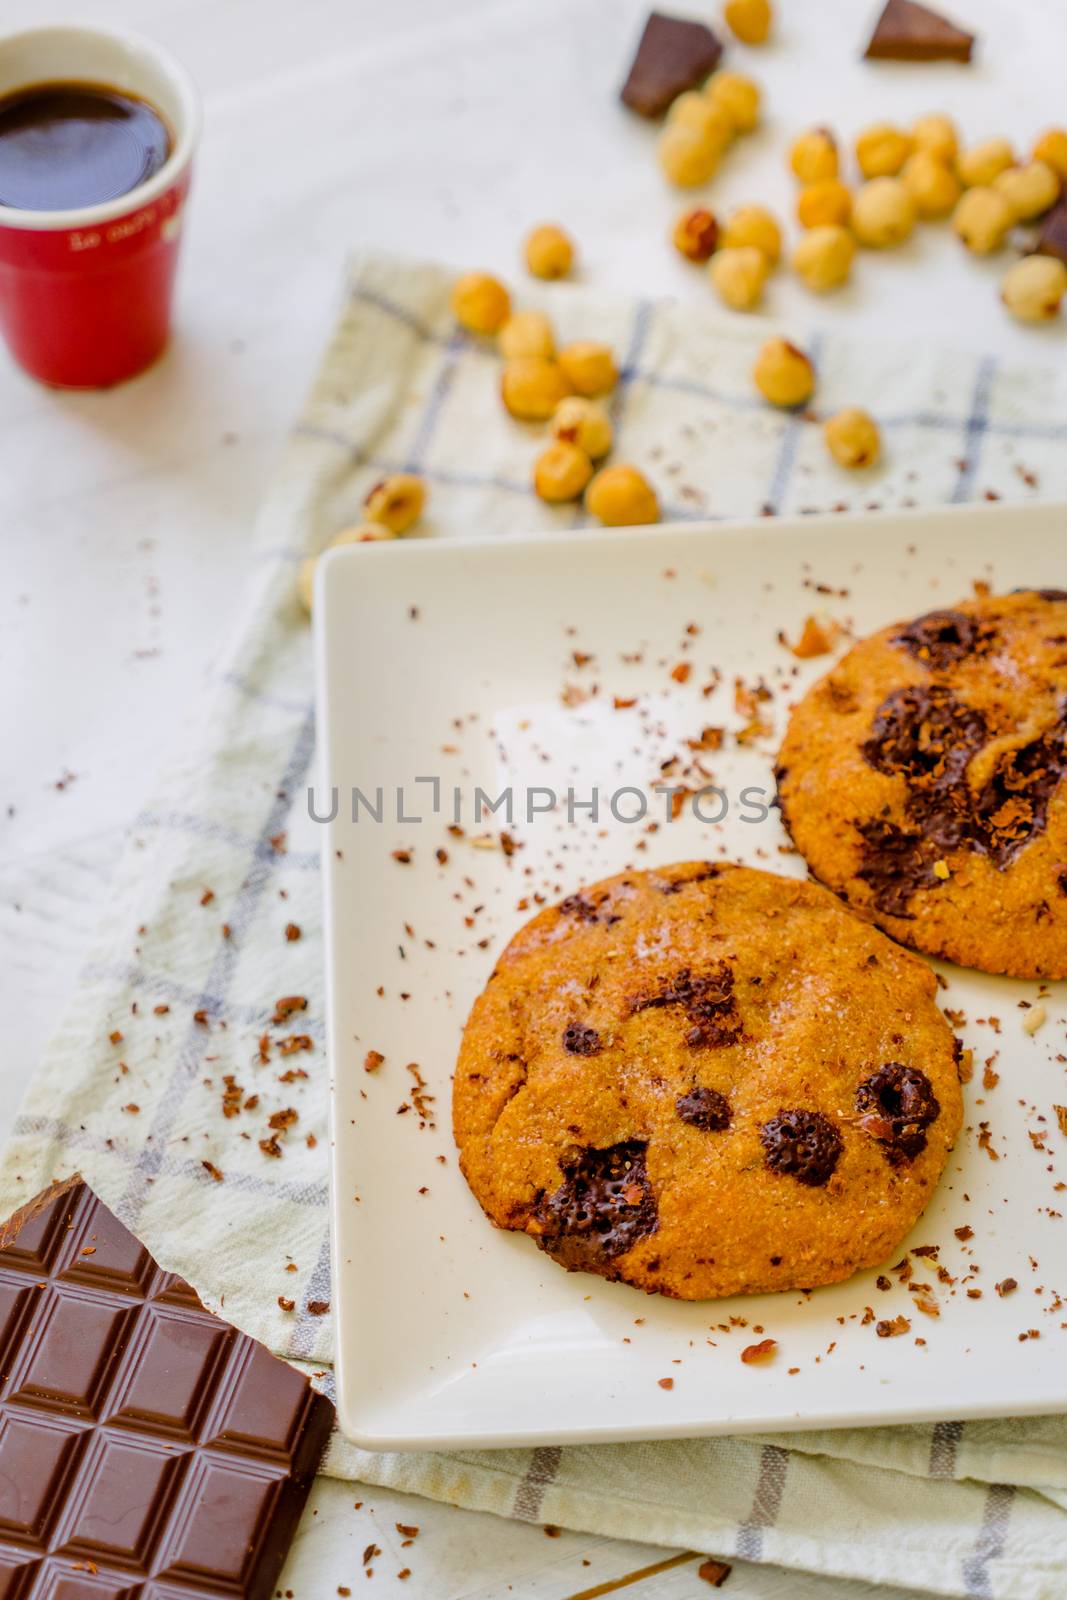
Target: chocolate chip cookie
{"x": 923, "y": 779}
{"x": 706, "y": 1080}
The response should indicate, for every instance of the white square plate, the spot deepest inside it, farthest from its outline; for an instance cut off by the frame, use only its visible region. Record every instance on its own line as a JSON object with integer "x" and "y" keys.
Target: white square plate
{"x": 456, "y": 662}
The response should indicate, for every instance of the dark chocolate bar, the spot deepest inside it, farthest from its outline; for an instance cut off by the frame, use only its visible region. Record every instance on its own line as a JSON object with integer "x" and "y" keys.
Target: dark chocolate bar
{"x": 674, "y": 54}
{"x": 907, "y": 31}
{"x": 148, "y": 1450}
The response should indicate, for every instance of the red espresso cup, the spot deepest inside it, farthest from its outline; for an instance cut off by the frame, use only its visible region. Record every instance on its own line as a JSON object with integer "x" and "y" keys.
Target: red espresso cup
{"x": 86, "y": 294}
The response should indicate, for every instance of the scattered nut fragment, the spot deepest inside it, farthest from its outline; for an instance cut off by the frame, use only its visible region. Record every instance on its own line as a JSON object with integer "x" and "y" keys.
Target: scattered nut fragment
{"x": 695, "y": 234}
{"x": 621, "y": 497}
{"x": 686, "y": 156}
{"x": 699, "y": 113}
{"x": 882, "y": 149}
{"x": 1034, "y": 287}
{"x": 754, "y": 1354}
{"x": 533, "y": 387}
{"x": 562, "y": 471}
{"x": 480, "y": 303}
{"x": 396, "y": 502}
{"x": 783, "y": 374}
{"x": 549, "y": 251}
{"x": 936, "y": 134}
{"x": 813, "y": 156}
{"x": 983, "y": 162}
{"x": 589, "y": 367}
{"x": 1052, "y": 147}
{"x": 585, "y": 423}
{"x": 737, "y": 96}
{"x": 883, "y": 213}
{"x": 821, "y": 204}
{"x": 527, "y": 333}
{"x": 753, "y": 225}
{"x": 981, "y": 219}
{"x": 931, "y": 183}
{"x": 1035, "y": 1018}
{"x": 748, "y": 20}
{"x": 738, "y": 276}
{"x": 1030, "y": 190}
{"x": 823, "y": 257}
{"x": 360, "y": 533}
{"x": 852, "y": 438}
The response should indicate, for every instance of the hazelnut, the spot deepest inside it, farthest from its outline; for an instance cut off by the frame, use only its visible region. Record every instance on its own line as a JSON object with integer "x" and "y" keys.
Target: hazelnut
{"x": 361, "y": 533}
{"x": 738, "y": 276}
{"x": 983, "y": 162}
{"x": 783, "y": 374}
{"x": 585, "y": 423}
{"x": 687, "y": 157}
{"x": 562, "y": 471}
{"x": 1029, "y": 190}
{"x": 1052, "y": 147}
{"x": 621, "y": 497}
{"x": 981, "y": 219}
{"x": 823, "y": 257}
{"x": 852, "y": 438}
{"x": 748, "y": 20}
{"x": 931, "y": 183}
{"x": 549, "y": 251}
{"x": 527, "y": 333}
{"x": 737, "y": 97}
{"x": 883, "y": 213}
{"x": 589, "y": 367}
{"x": 936, "y": 134}
{"x": 480, "y": 303}
{"x": 695, "y": 234}
{"x": 1033, "y": 288}
{"x": 813, "y": 156}
{"x": 819, "y": 204}
{"x": 701, "y": 115}
{"x": 533, "y": 387}
{"x": 753, "y": 225}
{"x": 882, "y": 149}
{"x": 396, "y": 502}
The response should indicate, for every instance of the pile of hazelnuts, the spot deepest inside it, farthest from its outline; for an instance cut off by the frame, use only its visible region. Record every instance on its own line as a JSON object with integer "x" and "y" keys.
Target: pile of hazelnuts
{"x": 906, "y": 176}
{"x": 565, "y": 387}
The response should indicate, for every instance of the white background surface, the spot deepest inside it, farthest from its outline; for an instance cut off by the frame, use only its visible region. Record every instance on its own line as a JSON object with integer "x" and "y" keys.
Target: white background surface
{"x": 440, "y": 129}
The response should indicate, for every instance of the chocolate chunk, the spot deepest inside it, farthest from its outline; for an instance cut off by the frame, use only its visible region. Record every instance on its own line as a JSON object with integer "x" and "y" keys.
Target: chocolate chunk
{"x": 708, "y": 1002}
{"x": 1011, "y": 808}
{"x": 146, "y": 1446}
{"x": 803, "y": 1144}
{"x": 705, "y": 1109}
{"x": 1052, "y": 241}
{"x": 897, "y": 1104}
{"x": 601, "y": 1209}
{"x": 907, "y": 31}
{"x": 943, "y": 637}
{"x": 576, "y": 905}
{"x": 926, "y": 735}
{"x": 896, "y": 864}
{"x": 581, "y": 1041}
{"x": 674, "y": 55}
{"x": 710, "y": 869}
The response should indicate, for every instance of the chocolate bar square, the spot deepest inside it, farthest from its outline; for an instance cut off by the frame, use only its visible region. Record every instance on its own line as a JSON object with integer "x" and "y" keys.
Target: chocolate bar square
{"x": 147, "y": 1448}
{"x": 674, "y": 54}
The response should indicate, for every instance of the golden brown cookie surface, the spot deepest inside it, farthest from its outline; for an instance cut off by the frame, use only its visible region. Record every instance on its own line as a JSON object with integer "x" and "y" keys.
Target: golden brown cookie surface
{"x": 706, "y": 1080}
{"x": 922, "y": 778}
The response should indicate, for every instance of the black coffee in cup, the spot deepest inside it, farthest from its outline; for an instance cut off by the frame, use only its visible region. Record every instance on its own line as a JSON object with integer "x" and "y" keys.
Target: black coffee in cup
{"x": 68, "y": 145}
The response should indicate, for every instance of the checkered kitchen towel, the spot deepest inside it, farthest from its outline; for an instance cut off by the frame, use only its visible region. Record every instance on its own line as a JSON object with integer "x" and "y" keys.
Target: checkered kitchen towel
{"x": 196, "y": 953}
